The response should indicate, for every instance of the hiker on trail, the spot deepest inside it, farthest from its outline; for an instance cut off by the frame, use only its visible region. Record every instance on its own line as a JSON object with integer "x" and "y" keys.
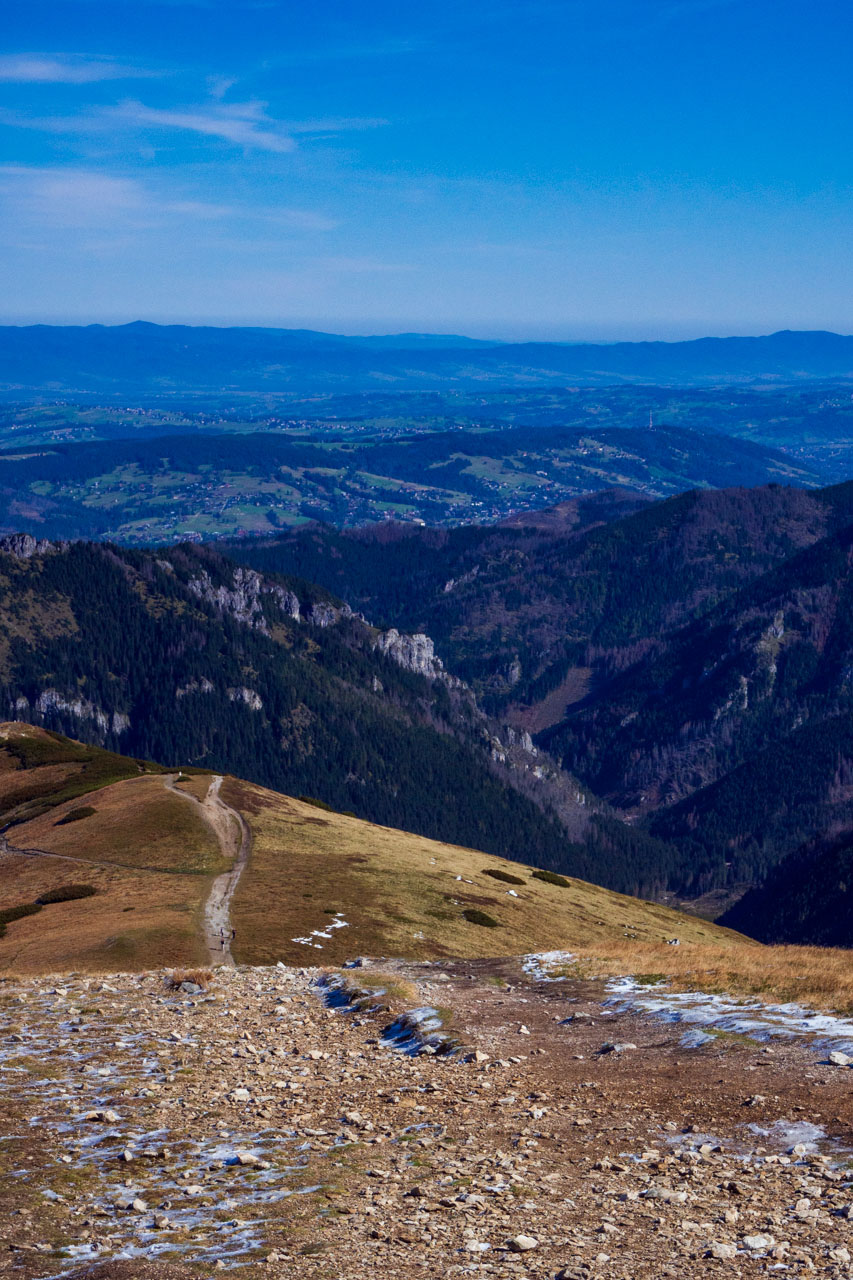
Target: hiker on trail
{"x": 233, "y": 934}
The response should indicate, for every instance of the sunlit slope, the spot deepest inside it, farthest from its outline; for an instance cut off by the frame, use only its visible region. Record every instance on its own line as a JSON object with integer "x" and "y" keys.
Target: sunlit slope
{"x": 404, "y": 895}
{"x": 125, "y": 847}
{"x": 142, "y": 848}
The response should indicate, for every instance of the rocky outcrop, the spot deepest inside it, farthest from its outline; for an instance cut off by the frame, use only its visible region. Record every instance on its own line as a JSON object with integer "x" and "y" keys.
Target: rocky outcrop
{"x": 325, "y": 614}
{"x": 243, "y": 600}
{"x": 414, "y": 653}
{"x": 247, "y": 696}
{"x": 23, "y": 546}
{"x": 194, "y": 686}
{"x": 520, "y": 738}
{"x": 51, "y": 701}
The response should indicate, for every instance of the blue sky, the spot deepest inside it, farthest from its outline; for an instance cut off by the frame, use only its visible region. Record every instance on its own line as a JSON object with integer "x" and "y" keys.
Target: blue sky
{"x": 584, "y": 169}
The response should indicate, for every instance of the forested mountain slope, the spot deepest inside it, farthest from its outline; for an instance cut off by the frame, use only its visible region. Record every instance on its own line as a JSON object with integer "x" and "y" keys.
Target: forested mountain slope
{"x": 690, "y": 662}
{"x": 733, "y": 735}
{"x": 807, "y": 897}
{"x": 185, "y": 658}
{"x": 538, "y": 612}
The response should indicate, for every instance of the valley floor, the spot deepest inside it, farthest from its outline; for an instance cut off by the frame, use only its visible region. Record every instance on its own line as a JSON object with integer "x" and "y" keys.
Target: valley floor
{"x": 255, "y": 1126}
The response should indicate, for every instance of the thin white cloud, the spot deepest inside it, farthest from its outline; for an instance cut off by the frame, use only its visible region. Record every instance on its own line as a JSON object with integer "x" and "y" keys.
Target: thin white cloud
{"x": 85, "y": 199}
{"x": 42, "y": 68}
{"x": 243, "y": 123}
{"x": 70, "y": 198}
{"x": 334, "y": 124}
{"x": 218, "y": 86}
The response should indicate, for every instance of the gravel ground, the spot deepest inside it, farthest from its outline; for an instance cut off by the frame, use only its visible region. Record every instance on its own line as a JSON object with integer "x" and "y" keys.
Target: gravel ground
{"x": 160, "y": 1135}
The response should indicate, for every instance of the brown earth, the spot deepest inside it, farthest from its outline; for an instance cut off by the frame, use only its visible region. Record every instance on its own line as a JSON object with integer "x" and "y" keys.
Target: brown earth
{"x": 625, "y": 1166}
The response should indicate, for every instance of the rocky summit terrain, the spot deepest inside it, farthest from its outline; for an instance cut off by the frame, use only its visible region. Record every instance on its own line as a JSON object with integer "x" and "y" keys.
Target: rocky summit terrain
{"x": 177, "y": 1125}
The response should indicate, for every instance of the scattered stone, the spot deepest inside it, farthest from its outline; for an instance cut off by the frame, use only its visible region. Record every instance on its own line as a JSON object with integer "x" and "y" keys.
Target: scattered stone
{"x": 758, "y": 1243}
{"x": 522, "y": 1244}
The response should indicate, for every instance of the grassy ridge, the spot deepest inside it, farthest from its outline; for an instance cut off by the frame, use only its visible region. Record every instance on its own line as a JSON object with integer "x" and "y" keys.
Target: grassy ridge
{"x": 143, "y": 850}
{"x": 40, "y": 770}
{"x": 405, "y": 895}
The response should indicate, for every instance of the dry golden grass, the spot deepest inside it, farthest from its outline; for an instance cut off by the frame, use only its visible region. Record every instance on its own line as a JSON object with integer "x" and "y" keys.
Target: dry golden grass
{"x": 196, "y": 784}
{"x": 137, "y": 823}
{"x": 136, "y": 920}
{"x": 819, "y": 976}
{"x": 151, "y": 859}
{"x": 372, "y": 987}
{"x": 400, "y": 895}
{"x": 201, "y": 977}
{"x": 17, "y": 784}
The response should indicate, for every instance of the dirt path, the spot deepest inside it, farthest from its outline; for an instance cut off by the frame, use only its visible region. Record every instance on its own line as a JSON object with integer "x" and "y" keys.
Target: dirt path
{"x": 231, "y": 831}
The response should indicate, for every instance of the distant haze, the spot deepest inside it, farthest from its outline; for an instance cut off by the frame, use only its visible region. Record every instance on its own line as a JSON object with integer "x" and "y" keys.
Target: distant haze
{"x": 584, "y": 171}
{"x": 146, "y": 359}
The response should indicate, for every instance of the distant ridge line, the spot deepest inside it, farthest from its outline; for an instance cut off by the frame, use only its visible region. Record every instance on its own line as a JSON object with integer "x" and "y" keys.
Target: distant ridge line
{"x": 146, "y": 358}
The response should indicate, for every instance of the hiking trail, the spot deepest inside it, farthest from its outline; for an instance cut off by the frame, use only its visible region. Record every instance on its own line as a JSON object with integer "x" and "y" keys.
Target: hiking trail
{"x": 232, "y": 832}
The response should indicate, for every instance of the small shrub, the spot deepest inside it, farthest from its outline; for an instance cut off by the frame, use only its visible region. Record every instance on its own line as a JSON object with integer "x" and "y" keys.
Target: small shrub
{"x": 503, "y": 875}
{"x": 475, "y": 916}
{"x": 75, "y": 815}
{"x": 66, "y": 893}
{"x": 17, "y": 913}
{"x": 198, "y": 977}
{"x": 318, "y": 804}
{"x": 551, "y": 877}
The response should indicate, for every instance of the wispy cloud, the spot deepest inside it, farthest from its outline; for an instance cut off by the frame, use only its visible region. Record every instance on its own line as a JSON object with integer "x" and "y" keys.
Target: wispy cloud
{"x": 43, "y": 68}
{"x": 70, "y": 198}
{"x": 334, "y": 124}
{"x": 85, "y": 199}
{"x": 243, "y": 123}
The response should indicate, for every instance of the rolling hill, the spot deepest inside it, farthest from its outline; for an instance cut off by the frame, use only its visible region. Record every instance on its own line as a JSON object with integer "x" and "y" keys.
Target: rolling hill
{"x": 146, "y": 358}
{"x": 124, "y": 858}
{"x": 208, "y": 485}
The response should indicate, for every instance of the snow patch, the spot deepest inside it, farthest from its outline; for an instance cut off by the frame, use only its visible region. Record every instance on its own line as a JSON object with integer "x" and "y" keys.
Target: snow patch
{"x": 338, "y": 923}
{"x": 741, "y": 1016}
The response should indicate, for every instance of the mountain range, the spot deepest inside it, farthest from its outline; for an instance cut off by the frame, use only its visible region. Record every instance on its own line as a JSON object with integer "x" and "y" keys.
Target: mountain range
{"x": 689, "y": 662}
{"x": 183, "y": 657}
{"x": 142, "y": 358}
{"x": 655, "y": 696}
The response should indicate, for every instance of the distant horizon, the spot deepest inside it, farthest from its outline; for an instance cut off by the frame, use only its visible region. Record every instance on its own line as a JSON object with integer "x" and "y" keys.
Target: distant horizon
{"x": 631, "y": 170}
{"x": 329, "y": 329}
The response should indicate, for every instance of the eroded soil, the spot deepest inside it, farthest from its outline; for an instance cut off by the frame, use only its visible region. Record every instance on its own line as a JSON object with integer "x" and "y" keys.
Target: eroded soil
{"x": 149, "y": 1133}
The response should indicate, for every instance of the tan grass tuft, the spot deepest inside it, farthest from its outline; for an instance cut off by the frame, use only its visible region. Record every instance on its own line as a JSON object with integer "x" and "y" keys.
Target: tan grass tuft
{"x": 818, "y": 976}
{"x": 201, "y": 977}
